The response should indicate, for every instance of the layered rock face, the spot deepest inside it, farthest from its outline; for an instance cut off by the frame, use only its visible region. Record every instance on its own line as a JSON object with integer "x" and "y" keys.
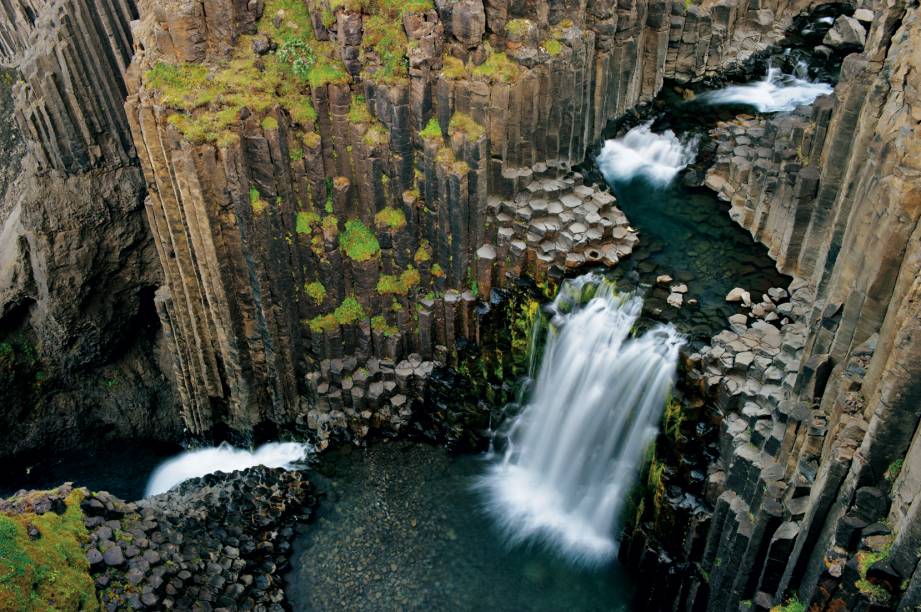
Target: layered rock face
{"x": 318, "y": 202}
{"x": 815, "y": 492}
{"x": 77, "y": 264}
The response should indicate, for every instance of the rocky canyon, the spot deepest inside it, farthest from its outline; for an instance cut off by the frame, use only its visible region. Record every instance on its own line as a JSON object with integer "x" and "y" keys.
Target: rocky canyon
{"x": 460, "y": 304}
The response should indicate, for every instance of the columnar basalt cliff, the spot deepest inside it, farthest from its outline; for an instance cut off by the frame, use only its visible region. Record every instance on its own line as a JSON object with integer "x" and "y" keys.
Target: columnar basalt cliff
{"x": 77, "y": 264}
{"x": 815, "y": 491}
{"x": 315, "y": 197}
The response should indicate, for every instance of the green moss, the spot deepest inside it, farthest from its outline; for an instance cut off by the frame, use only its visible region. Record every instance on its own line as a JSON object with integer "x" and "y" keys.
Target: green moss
{"x": 672, "y": 418}
{"x": 50, "y": 572}
{"x": 330, "y": 226}
{"x": 552, "y": 46}
{"x": 259, "y": 205}
{"x": 323, "y": 323}
{"x": 376, "y": 135}
{"x": 423, "y": 253}
{"x": 379, "y": 324}
{"x": 358, "y": 242}
{"x": 306, "y": 221}
{"x": 349, "y": 311}
{"x": 517, "y": 27}
{"x": 453, "y": 68}
{"x": 311, "y": 140}
{"x": 390, "y": 218}
{"x": 269, "y": 123}
{"x": 437, "y": 271}
{"x": 432, "y": 130}
{"x": 894, "y": 469}
{"x": 467, "y": 125}
{"x": 398, "y": 285}
{"x": 315, "y": 291}
{"x": 498, "y": 68}
{"x": 385, "y": 38}
{"x": 358, "y": 110}
{"x": 296, "y": 154}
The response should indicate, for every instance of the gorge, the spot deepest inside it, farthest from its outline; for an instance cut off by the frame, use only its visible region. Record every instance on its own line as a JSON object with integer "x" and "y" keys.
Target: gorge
{"x": 460, "y": 304}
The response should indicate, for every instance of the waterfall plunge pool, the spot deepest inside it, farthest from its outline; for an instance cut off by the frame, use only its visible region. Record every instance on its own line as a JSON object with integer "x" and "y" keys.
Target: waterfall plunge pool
{"x": 402, "y": 528}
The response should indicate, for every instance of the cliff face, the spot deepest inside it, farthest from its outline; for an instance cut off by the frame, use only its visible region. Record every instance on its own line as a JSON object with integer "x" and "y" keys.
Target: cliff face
{"x": 815, "y": 491}
{"x": 77, "y": 264}
{"x": 324, "y": 210}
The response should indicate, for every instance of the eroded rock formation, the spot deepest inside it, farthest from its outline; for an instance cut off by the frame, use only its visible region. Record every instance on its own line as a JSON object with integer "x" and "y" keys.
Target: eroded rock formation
{"x": 815, "y": 490}
{"x": 79, "y": 358}
{"x": 314, "y": 198}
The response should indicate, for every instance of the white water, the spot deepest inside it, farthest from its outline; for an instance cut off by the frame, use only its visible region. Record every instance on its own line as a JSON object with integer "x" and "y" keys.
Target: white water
{"x": 640, "y": 152}
{"x": 777, "y": 92}
{"x": 574, "y": 451}
{"x": 224, "y": 458}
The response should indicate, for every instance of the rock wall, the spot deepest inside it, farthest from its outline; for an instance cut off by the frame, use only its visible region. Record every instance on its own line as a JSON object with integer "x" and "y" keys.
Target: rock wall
{"x": 314, "y": 196}
{"x": 79, "y": 348}
{"x": 815, "y": 490}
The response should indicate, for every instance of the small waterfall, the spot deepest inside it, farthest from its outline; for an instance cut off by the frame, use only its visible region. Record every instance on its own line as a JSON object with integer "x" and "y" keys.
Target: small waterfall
{"x": 640, "y": 152}
{"x": 777, "y": 92}
{"x": 574, "y": 451}
{"x": 224, "y": 458}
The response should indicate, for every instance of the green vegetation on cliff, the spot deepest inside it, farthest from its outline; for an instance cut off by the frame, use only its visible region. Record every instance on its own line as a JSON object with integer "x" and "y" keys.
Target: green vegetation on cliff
{"x": 358, "y": 242}
{"x": 315, "y": 291}
{"x": 432, "y": 130}
{"x": 400, "y": 285}
{"x": 348, "y": 312}
{"x": 390, "y": 218}
{"x": 49, "y": 572}
{"x": 466, "y": 125}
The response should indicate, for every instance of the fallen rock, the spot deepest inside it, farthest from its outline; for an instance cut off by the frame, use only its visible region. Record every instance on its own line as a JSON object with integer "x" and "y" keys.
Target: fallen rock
{"x": 739, "y": 295}
{"x": 663, "y": 279}
{"x": 846, "y": 33}
{"x": 675, "y": 300}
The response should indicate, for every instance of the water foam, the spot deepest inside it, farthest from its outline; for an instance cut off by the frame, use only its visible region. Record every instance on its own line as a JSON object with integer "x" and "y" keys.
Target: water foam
{"x": 777, "y": 92}
{"x": 574, "y": 451}
{"x": 641, "y": 152}
{"x": 224, "y": 458}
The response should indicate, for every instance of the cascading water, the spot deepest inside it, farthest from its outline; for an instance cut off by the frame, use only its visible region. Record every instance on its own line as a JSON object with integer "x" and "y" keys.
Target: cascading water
{"x": 641, "y": 152}
{"x": 574, "y": 451}
{"x": 224, "y": 458}
{"x": 777, "y": 92}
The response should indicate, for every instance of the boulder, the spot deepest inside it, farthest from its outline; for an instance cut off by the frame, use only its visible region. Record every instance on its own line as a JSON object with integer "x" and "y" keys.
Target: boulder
{"x": 846, "y": 33}
{"x": 739, "y": 295}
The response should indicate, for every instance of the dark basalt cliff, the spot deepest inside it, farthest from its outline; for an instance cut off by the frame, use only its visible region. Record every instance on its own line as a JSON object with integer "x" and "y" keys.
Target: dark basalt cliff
{"x": 242, "y": 218}
{"x": 79, "y": 353}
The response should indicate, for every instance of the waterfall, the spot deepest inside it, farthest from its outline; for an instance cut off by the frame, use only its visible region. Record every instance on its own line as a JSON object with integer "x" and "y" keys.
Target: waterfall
{"x": 224, "y": 458}
{"x": 777, "y": 92}
{"x": 640, "y": 152}
{"x": 574, "y": 451}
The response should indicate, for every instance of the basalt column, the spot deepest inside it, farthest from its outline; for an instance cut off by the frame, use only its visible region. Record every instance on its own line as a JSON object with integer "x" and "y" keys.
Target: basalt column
{"x": 77, "y": 265}
{"x": 815, "y": 492}
{"x": 333, "y": 187}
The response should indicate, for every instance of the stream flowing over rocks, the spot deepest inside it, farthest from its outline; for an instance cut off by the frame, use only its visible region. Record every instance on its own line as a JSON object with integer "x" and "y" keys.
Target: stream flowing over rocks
{"x": 342, "y": 225}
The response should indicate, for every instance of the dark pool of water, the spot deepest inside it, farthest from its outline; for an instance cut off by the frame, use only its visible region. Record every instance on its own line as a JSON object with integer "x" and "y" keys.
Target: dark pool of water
{"x": 687, "y": 234}
{"x": 121, "y": 469}
{"x": 403, "y": 530}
